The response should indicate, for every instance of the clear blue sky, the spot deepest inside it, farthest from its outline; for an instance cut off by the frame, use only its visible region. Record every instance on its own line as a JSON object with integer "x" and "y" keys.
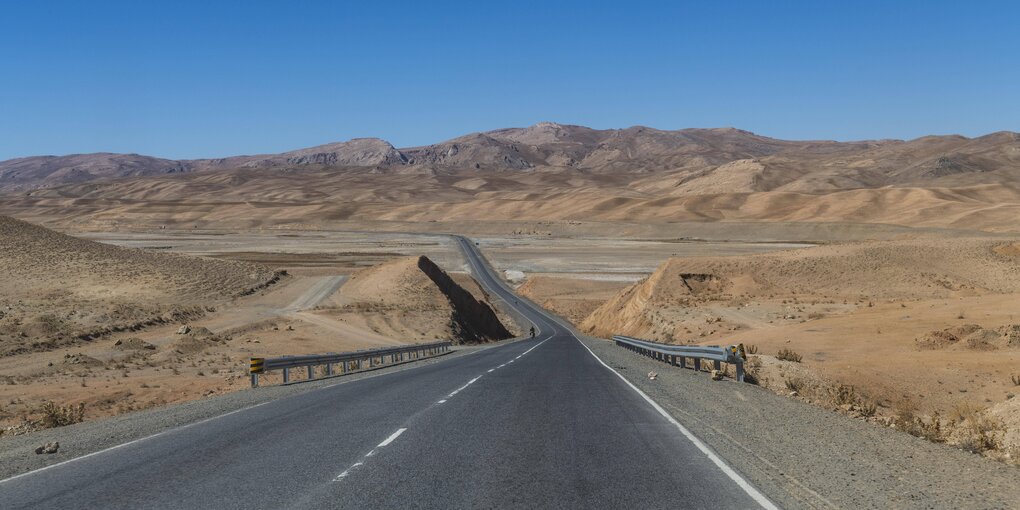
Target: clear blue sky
{"x": 202, "y": 79}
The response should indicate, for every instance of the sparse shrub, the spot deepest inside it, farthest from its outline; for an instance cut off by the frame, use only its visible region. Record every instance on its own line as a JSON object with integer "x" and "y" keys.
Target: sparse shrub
{"x": 1016, "y": 380}
{"x": 816, "y": 315}
{"x": 907, "y": 421}
{"x": 752, "y": 367}
{"x": 795, "y": 384}
{"x": 752, "y": 349}
{"x": 868, "y": 409}
{"x": 788, "y": 355}
{"x": 51, "y": 324}
{"x": 59, "y": 416}
{"x": 980, "y": 433}
{"x": 842, "y": 394}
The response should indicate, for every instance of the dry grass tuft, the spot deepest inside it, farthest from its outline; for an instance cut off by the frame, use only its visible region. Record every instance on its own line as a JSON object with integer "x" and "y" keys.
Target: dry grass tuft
{"x": 788, "y": 355}
{"x": 795, "y": 384}
{"x": 59, "y": 416}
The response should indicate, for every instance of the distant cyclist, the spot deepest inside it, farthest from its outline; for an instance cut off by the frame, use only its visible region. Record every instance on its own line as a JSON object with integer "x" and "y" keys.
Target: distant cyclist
{"x": 532, "y": 331}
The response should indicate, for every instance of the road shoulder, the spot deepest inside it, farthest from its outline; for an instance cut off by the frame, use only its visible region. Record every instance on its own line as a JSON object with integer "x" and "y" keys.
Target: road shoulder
{"x": 805, "y": 457}
{"x": 17, "y": 453}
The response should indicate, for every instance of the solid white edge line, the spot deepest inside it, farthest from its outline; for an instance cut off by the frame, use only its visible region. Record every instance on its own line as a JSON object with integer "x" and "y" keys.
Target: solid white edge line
{"x": 744, "y": 484}
{"x": 392, "y": 437}
{"x": 757, "y": 496}
{"x": 129, "y": 443}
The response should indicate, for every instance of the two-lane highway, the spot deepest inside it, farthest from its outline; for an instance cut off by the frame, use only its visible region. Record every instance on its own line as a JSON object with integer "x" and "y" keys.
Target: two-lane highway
{"x": 537, "y": 423}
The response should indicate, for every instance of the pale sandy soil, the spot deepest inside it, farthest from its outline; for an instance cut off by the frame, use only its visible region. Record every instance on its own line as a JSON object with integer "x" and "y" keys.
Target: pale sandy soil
{"x": 572, "y": 297}
{"x": 855, "y": 313}
{"x": 124, "y": 370}
{"x": 929, "y": 326}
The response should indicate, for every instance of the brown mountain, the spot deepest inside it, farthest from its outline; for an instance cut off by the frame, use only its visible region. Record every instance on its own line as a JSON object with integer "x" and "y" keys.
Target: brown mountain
{"x": 695, "y": 159}
{"x": 545, "y": 172}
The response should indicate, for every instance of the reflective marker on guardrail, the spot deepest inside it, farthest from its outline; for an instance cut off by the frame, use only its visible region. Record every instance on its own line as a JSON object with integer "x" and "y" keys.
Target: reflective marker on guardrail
{"x": 258, "y": 365}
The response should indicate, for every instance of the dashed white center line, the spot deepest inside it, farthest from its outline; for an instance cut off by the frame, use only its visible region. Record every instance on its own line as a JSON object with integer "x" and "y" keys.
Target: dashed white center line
{"x": 341, "y": 476}
{"x": 469, "y": 383}
{"x": 392, "y": 437}
{"x": 383, "y": 444}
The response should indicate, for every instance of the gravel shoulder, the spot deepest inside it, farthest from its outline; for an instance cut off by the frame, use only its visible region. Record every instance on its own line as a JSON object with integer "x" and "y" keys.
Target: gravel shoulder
{"x": 17, "y": 453}
{"x": 805, "y": 457}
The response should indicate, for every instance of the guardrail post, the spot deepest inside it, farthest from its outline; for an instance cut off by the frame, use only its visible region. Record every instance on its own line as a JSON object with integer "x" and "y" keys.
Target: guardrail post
{"x": 683, "y": 362}
{"x": 311, "y": 372}
{"x": 329, "y": 369}
{"x": 717, "y": 365}
{"x": 740, "y": 369}
{"x": 286, "y": 375}
{"x": 254, "y": 380}
{"x": 697, "y": 364}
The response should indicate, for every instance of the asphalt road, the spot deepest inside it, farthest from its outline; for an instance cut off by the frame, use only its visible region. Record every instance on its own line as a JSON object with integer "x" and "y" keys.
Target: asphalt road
{"x": 540, "y": 423}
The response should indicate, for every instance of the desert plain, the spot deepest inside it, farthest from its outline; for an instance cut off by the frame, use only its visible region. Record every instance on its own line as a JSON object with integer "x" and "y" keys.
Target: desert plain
{"x": 879, "y": 279}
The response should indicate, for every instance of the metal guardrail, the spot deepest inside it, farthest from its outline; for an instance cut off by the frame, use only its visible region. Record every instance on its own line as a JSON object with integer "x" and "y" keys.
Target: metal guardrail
{"x": 677, "y": 354}
{"x": 348, "y": 361}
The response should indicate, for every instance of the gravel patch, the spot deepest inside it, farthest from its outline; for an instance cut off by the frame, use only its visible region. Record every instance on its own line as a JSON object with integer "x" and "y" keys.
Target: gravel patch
{"x": 17, "y": 453}
{"x": 807, "y": 457}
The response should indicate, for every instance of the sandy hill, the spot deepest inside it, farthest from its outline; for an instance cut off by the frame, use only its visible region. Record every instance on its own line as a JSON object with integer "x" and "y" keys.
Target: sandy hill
{"x": 924, "y": 330}
{"x": 59, "y": 289}
{"x": 545, "y": 172}
{"x": 859, "y": 272}
{"x": 413, "y": 297}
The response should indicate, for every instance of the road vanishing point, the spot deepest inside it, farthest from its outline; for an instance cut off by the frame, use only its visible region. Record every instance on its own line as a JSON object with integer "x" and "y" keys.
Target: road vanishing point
{"x": 537, "y": 423}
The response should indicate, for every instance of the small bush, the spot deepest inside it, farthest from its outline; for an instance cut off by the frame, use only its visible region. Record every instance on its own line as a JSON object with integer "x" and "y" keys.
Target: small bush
{"x": 980, "y": 433}
{"x": 842, "y": 394}
{"x": 751, "y": 370}
{"x": 752, "y": 349}
{"x": 1016, "y": 380}
{"x": 909, "y": 422}
{"x": 788, "y": 355}
{"x": 868, "y": 409}
{"x": 816, "y": 315}
{"x": 59, "y": 416}
{"x": 795, "y": 384}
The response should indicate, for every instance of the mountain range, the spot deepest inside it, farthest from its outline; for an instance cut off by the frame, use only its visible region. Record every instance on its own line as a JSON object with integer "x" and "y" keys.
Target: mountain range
{"x": 700, "y": 160}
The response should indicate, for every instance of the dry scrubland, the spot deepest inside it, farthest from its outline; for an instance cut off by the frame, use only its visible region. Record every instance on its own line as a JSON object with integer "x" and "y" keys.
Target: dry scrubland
{"x": 915, "y": 330}
{"x": 922, "y": 335}
{"x": 92, "y": 330}
{"x": 58, "y": 289}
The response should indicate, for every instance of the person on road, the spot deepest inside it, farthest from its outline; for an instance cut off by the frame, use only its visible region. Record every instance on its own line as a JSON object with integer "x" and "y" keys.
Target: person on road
{"x": 532, "y": 331}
